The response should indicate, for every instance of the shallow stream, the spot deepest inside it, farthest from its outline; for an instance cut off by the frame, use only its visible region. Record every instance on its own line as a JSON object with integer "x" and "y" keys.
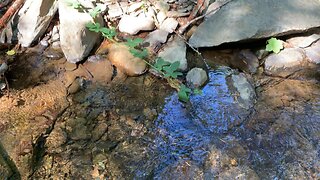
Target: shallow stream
{"x": 240, "y": 127}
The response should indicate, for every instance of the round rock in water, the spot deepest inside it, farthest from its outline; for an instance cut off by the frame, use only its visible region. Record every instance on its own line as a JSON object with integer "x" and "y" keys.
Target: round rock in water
{"x": 197, "y": 77}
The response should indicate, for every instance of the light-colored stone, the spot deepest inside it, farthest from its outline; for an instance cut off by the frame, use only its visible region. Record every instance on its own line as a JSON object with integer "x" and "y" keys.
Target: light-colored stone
{"x": 132, "y": 25}
{"x": 162, "y": 6}
{"x": 169, "y": 25}
{"x": 313, "y": 53}
{"x": 303, "y": 41}
{"x": 251, "y": 19}
{"x": 114, "y": 10}
{"x": 285, "y": 63}
{"x": 197, "y": 77}
{"x": 156, "y": 36}
{"x": 75, "y": 38}
{"x": 161, "y": 16}
{"x": 175, "y": 50}
{"x": 120, "y": 56}
{"x": 34, "y": 19}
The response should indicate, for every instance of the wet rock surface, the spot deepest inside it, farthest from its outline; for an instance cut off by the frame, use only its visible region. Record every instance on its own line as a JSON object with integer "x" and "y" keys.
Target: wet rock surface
{"x": 242, "y": 126}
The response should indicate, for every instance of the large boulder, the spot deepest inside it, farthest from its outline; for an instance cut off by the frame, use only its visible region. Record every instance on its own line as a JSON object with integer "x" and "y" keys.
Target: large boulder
{"x": 251, "y": 19}
{"x": 75, "y": 39}
{"x": 34, "y": 19}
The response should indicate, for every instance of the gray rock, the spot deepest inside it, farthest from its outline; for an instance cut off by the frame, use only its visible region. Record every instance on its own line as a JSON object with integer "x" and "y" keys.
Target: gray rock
{"x": 247, "y": 95}
{"x": 313, "y": 53}
{"x": 285, "y": 63}
{"x": 175, "y": 51}
{"x": 132, "y": 25}
{"x": 251, "y": 19}
{"x": 75, "y": 39}
{"x": 302, "y": 41}
{"x": 34, "y": 19}
{"x": 197, "y": 77}
{"x": 157, "y": 36}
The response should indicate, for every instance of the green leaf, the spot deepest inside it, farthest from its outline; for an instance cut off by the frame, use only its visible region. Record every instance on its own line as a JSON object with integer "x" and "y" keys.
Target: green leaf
{"x": 139, "y": 53}
{"x": 184, "y": 93}
{"x": 160, "y": 63}
{"x": 95, "y": 11}
{"x": 274, "y": 45}
{"x": 11, "y": 52}
{"x": 170, "y": 71}
{"x": 108, "y": 32}
{"x": 95, "y": 27}
{"x": 197, "y": 91}
{"x": 132, "y": 43}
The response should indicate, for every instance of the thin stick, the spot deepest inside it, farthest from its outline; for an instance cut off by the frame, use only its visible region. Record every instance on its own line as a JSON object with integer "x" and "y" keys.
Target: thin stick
{"x": 12, "y": 9}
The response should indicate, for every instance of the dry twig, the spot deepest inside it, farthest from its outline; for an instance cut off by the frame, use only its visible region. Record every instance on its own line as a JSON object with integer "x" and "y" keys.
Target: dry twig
{"x": 12, "y": 9}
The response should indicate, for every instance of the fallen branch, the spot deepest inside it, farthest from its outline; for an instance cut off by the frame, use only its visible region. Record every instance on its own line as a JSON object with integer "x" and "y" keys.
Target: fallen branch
{"x": 214, "y": 8}
{"x": 12, "y": 9}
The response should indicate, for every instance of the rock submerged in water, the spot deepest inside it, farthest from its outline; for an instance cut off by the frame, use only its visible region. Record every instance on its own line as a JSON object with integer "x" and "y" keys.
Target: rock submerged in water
{"x": 197, "y": 77}
{"x": 250, "y": 19}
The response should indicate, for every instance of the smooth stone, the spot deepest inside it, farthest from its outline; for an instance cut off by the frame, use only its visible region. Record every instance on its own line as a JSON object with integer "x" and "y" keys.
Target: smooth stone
{"x": 251, "y": 19}
{"x": 75, "y": 38}
{"x": 175, "y": 50}
{"x": 302, "y": 41}
{"x": 156, "y": 37}
{"x": 120, "y": 56}
{"x": 284, "y": 63}
{"x": 101, "y": 70}
{"x": 169, "y": 25}
{"x": 161, "y": 16}
{"x": 197, "y": 77}
{"x": 34, "y": 19}
{"x": 313, "y": 53}
{"x": 132, "y": 24}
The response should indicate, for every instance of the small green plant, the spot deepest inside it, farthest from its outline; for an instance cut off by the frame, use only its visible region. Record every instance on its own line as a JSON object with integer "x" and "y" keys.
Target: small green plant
{"x": 74, "y": 4}
{"x": 135, "y": 48}
{"x": 166, "y": 69}
{"x": 108, "y": 33}
{"x": 170, "y": 73}
{"x": 274, "y": 45}
{"x": 184, "y": 93}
